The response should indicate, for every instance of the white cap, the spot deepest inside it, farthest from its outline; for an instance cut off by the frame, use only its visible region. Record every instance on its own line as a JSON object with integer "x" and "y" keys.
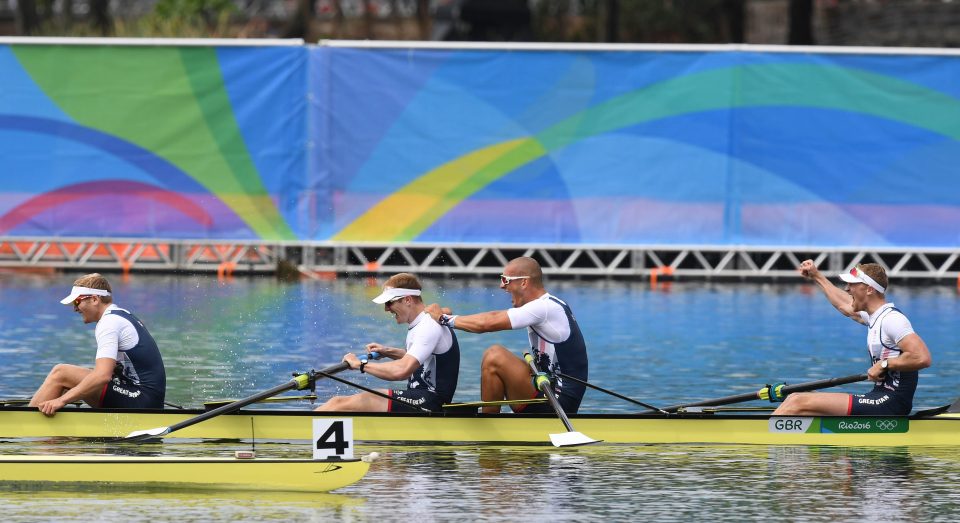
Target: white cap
{"x": 858, "y": 276}
{"x": 76, "y": 292}
{"x": 390, "y": 293}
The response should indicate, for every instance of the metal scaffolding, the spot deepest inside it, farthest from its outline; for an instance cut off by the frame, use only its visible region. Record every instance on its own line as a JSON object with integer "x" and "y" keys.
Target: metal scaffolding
{"x": 328, "y": 259}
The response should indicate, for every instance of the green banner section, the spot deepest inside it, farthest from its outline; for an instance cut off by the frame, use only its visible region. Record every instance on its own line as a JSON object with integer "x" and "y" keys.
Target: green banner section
{"x": 862, "y": 425}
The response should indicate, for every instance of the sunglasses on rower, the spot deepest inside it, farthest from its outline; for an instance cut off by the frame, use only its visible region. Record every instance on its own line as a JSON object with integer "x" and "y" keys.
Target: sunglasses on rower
{"x": 504, "y": 279}
{"x": 76, "y": 302}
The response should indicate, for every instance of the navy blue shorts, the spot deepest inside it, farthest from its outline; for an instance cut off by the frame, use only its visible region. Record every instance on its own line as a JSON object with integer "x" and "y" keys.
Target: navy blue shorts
{"x": 121, "y": 393}
{"x": 419, "y": 397}
{"x": 879, "y": 402}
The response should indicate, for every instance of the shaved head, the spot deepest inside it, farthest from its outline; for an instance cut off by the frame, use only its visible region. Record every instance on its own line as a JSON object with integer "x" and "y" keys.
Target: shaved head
{"x": 526, "y": 266}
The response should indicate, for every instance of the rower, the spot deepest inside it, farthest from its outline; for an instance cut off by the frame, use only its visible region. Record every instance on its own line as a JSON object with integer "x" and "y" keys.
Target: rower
{"x": 430, "y": 362}
{"x": 555, "y": 340}
{"x": 128, "y": 371}
{"x": 896, "y": 352}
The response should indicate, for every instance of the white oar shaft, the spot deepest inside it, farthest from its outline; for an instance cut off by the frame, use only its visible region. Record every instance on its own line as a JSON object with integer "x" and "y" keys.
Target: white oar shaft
{"x": 552, "y": 398}
{"x": 571, "y": 437}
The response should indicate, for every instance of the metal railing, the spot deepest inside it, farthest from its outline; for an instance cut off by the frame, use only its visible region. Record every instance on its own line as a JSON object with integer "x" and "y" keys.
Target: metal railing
{"x": 324, "y": 259}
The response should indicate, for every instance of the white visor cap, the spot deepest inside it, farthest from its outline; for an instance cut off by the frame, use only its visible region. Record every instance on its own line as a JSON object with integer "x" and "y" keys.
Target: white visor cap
{"x": 391, "y": 293}
{"x": 76, "y": 292}
{"x": 856, "y": 275}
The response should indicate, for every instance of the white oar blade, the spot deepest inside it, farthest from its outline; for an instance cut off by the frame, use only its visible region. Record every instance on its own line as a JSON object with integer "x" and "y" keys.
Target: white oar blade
{"x": 149, "y": 433}
{"x": 572, "y": 439}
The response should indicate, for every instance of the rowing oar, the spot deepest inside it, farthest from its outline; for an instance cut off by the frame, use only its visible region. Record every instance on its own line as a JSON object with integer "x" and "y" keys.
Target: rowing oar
{"x": 24, "y": 401}
{"x": 610, "y": 392}
{"x": 372, "y": 391}
{"x": 570, "y": 438}
{"x": 928, "y": 413}
{"x": 207, "y": 405}
{"x": 477, "y": 404}
{"x": 299, "y": 382}
{"x": 772, "y": 392}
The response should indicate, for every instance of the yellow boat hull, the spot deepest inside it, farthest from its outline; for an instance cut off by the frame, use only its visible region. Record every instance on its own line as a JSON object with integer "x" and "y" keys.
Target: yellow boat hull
{"x": 286, "y": 475}
{"x": 18, "y": 422}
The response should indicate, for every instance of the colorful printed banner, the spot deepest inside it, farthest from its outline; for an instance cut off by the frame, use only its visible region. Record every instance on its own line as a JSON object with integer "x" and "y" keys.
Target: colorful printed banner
{"x": 168, "y": 142}
{"x": 349, "y": 144}
{"x": 642, "y": 148}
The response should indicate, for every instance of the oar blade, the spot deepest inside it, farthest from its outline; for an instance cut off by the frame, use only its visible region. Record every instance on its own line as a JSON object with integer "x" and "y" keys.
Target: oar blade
{"x": 140, "y": 435}
{"x": 299, "y": 382}
{"x": 572, "y": 439}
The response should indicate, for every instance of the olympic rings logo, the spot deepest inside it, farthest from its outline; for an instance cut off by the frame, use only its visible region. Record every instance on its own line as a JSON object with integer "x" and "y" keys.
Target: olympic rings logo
{"x": 887, "y": 424}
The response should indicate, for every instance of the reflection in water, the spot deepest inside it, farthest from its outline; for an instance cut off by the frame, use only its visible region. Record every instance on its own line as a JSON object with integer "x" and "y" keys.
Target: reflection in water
{"x": 678, "y": 482}
{"x": 102, "y": 504}
{"x": 540, "y": 483}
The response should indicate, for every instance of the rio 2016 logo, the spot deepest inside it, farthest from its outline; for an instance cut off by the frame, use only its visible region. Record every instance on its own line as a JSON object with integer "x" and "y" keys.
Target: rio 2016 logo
{"x": 865, "y": 425}
{"x": 887, "y": 424}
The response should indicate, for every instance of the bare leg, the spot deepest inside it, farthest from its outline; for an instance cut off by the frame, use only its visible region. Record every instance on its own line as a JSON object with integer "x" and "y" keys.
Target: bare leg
{"x": 503, "y": 375}
{"x": 62, "y": 378}
{"x": 363, "y": 402}
{"x": 814, "y": 404}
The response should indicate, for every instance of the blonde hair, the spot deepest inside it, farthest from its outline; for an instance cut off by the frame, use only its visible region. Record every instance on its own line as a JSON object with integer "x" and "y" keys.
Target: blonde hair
{"x": 404, "y": 280}
{"x": 95, "y": 281}
{"x": 875, "y": 271}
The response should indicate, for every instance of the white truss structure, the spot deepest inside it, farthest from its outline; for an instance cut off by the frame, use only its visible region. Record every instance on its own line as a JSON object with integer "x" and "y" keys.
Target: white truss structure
{"x": 326, "y": 259}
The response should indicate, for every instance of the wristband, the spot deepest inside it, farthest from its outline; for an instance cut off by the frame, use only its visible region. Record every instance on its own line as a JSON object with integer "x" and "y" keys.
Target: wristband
{"x": 448, "y": 320}
{"x": 362, "y": 364}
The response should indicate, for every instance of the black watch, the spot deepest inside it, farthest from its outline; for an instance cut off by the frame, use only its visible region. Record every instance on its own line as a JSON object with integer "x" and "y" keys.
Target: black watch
{"x": 362, "y": 363}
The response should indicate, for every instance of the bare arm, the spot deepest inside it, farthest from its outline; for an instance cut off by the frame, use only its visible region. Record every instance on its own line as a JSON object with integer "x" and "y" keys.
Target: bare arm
{"x": 388, "y": 352}
{"x": 89, "y": 385}
{"x": 837, "y": 297}
{"x": 395, "y": 370}
{"x": 484, "y": 322}
{"x": 492, "y": 321}
{"x": 915, "y": 355}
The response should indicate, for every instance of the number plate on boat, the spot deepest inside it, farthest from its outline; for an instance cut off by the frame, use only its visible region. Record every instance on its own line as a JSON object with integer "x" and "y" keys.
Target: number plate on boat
{"x": 332, "y": 438}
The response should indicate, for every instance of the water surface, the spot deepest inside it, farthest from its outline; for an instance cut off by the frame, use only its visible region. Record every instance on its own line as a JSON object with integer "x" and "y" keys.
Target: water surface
{"x": 664, "y": 345}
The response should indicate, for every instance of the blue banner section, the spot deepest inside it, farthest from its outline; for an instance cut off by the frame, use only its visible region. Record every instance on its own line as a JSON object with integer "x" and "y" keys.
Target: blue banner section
{"x": 643, "y": 148}
{"x": 481, "y": 146}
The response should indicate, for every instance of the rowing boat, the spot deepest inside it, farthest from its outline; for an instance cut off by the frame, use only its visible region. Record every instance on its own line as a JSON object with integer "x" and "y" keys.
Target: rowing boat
{"x": 702, "y": 426}
{"x": 288, "y": 475}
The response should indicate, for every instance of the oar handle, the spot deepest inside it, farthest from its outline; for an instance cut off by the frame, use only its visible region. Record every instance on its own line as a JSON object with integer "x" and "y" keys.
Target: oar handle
{"x": 543, "y": 383}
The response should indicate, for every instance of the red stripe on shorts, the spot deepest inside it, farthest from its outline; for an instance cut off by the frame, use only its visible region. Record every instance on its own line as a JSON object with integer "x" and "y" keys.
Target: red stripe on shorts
{"x": 103, "y": 393}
